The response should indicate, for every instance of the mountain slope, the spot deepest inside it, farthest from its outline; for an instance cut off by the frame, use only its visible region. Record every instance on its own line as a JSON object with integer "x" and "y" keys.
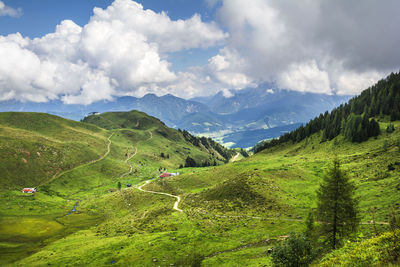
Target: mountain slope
{"x": 355, "y": 119}
{"x": 75, "y": 166}
{"x": 139, "y": 120}
{"x": 168, "y": 108}
{"x": 34, "y": 147}
{"x": 232, "y": 213}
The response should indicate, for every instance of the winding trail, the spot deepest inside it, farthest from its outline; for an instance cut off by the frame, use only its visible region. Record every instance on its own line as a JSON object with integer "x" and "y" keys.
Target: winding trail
{"x": 134, "y": 154}
{"x": 122, "y": 175}
{"x": 130, "y": 165}
{"x": 55, "y": 176}
{"x": 178, "y": 198}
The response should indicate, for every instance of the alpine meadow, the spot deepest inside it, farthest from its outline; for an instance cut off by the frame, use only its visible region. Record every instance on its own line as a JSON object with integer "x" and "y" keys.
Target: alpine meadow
{"x": 199, "y": 133}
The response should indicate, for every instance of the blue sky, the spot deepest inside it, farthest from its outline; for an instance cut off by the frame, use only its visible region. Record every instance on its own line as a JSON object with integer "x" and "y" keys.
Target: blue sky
{"x": 41, "y": 16}
{"x": 64, "y": 50}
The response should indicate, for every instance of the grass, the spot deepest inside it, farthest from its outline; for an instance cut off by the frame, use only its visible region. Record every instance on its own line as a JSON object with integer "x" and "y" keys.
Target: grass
{"x": 233, "y": 208}
{"x": 70, "y": 167}
{"x": 382, "y": 250}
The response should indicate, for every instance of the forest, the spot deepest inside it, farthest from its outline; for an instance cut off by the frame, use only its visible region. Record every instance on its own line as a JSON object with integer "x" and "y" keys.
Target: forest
{"x": 356, "y": 120}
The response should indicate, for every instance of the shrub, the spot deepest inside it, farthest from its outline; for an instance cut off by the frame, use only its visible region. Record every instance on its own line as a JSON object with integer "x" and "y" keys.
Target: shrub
{"x": 294, "y": 251}
{"x": 378, "y": 251}
{"x": 390, "y": 128}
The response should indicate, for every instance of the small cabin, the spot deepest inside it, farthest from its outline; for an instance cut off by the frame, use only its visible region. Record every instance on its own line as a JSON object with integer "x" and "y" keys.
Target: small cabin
{"x": 29, "y": 190}
{"x": 166, "y": 174}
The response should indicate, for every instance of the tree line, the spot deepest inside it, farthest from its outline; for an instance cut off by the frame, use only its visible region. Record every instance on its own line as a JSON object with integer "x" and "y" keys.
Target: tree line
{"x": 211, "y": 145}
{"x": 355, "y": 119}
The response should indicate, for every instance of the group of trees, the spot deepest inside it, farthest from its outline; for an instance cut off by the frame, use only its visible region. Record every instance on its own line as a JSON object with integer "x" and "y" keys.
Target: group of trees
{"x": 190, "y": 162}
{"x": 358, "y": 128}
{"x": 210, "y": 145}
{"x": 337, "y": 213}
{"x": 352, "y": 119}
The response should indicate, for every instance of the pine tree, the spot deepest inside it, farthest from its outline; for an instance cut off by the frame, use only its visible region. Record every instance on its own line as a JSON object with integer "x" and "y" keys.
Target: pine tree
{"x": 190, "y": 162}
{"x": 337, "y": 207}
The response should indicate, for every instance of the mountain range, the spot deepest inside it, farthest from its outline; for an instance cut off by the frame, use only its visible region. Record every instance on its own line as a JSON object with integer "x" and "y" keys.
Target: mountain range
{"x": 257, "y": 113}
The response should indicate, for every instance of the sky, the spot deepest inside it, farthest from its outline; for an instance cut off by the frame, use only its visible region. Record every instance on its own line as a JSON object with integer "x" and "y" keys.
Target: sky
{"x": 83, "y": 51}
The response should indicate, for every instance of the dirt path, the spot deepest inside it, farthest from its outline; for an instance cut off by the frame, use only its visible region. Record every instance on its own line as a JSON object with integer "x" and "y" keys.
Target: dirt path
{"x": 130, "y": 165}
{"x": 178, "y": 198}
{"x": 84, "y": 164}
{"x": 134, "y": 154}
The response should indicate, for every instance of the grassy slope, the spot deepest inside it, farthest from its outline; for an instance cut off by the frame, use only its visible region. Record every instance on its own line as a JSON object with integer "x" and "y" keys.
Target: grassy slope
{"x": 376, "y": 251}
{"x": 66, "y": 159}
{"x": 176, "y": 146}
{"x": 287, "y": 177}
{"x": 138, "y": 227}
{"x": 34, "y": 147}
{"x": 133, "y": 227}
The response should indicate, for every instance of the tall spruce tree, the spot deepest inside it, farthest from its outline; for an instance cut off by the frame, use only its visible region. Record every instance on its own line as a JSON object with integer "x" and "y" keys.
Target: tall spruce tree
{"x": 337, "y": 206}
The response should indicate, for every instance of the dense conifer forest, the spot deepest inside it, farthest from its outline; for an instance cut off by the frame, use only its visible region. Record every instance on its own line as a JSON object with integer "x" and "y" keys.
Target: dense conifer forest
{"x": 355, "y": 120}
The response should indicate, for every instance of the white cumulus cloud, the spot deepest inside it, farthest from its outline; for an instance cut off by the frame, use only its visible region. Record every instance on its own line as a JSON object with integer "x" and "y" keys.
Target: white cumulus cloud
{"x": 9, "y": 11}
{"x": 122, "y": 50}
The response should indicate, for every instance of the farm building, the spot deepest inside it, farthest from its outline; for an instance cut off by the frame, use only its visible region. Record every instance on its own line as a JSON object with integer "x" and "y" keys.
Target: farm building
{"x": 28, "y": 190}
{"x": 166, "y": 174}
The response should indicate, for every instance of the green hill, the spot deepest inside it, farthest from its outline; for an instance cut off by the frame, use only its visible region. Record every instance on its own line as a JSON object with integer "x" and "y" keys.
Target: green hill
{"x": 35, "y": 147}
{"x": 232, "y": 213}
{"x": 73, "y": 162}
{"x": 139, "y": 120}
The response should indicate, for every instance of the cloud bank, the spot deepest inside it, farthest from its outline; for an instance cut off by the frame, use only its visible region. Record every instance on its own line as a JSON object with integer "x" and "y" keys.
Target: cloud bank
{"x": 309, "y": 46}
{"x": 122, "y": 50}
{"x": 317, "y": 46}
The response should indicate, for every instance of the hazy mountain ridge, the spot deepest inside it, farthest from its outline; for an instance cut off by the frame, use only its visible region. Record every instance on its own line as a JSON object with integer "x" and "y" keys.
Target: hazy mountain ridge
{"x": 247, "y": 110}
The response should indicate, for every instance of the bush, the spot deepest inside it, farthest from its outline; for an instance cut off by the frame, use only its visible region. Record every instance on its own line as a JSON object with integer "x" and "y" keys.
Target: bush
{"x": 190, "y": 162}
{"x": 294, "y": 251}
{"x": 390, "y": 128}
{"x": 383, "y": 250}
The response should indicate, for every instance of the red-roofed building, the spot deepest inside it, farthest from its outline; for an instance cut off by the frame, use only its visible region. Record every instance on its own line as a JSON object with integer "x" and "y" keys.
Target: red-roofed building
{"x": 165, "y": 174}
{"x": 28, "y": 190}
